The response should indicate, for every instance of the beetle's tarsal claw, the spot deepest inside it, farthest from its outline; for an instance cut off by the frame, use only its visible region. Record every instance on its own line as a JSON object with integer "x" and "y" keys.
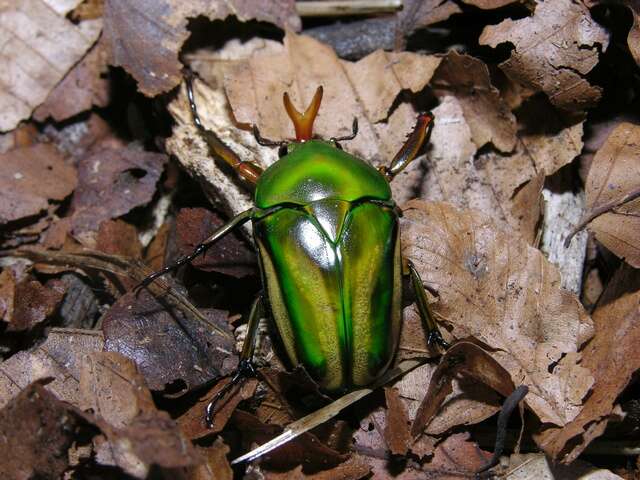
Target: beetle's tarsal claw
{"x": 435, "y": 337}
{"x": 245, "y": 370}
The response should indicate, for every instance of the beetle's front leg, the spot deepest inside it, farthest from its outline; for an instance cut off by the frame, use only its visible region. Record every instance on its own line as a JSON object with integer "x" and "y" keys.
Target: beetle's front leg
{"x": 411, "y": 147}
{"x": 245, "y": 367}
{"x": 433, "y": 333}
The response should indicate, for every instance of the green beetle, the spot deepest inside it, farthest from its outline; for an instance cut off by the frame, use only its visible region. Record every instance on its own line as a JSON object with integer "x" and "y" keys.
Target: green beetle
{"x": 327, "y": 234}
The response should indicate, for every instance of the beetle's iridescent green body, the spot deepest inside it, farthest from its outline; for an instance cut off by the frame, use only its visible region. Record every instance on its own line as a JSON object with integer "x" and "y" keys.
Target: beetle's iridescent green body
{"x": 327, "y": 234}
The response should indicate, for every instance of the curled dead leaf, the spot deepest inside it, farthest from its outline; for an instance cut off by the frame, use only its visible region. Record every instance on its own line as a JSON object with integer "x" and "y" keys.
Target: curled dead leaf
{"x": 554, "y": 49}
{"x": 493, "y": 287}
{"x": 613, "y": 358}
{"x": 613, "y": 191}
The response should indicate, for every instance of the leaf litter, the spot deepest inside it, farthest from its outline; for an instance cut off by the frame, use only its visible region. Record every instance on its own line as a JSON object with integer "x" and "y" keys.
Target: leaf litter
{"x": 505, "y": 130}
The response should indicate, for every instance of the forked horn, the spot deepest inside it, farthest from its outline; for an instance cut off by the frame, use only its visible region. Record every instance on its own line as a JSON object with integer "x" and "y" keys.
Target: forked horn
{"x": 303, "y": 122}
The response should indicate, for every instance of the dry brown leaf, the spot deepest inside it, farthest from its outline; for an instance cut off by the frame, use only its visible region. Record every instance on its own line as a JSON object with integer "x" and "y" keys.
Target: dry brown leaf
{"x": 32, "y": 303}
{"x": 170, "y": 348}
{"x": 36, "y": 431}
{"x": 81, "y": 88}
{"x": 493, "y": 287}
{"x": 117, "y": 237}
{"x": 396, "y": 432}
{"x": 366, "y": 89}
{"x": 110, "y": 183}
{"x": 633, "y": 39}
{"x": 554, "y": 49}
{"x": 59, "y": 357}
{"x": 416, "y": 14}
{"x": 145, "y": 36}
{"x": 469, "y": 359}
{"x": 353, "y": 469}
{"x": 112, "y": 387}
{"x": 487, "y": 115}
{"x": 216, "y": 466}
{"x": 137, "y": 434}
{"x": 489, "y": 4}
{"x": 613, "y": 358}
{"x": 613, "y": 191}
{"x": 39, "y": 47}
{"x": 506, "y": 185}
{"x": 30, "y": 178}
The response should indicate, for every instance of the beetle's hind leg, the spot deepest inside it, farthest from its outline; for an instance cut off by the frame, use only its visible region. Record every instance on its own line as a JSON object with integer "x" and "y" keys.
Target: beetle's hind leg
{"x": 245, "y": 368}
{"x": 201, "y": 248}
{"x": 433, "y": 333}
{"x": 248, "y": 171}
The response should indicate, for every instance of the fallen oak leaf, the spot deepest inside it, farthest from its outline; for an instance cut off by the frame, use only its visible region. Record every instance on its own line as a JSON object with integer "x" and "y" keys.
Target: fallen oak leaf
{"x": 612, "y": 190}
{"x": 554, "y": 49}
{"x": 396, "y": 432}
{"x": 145, "y": 37}
{"x": 495, "y": 288}
{"x": 612, "y": 356}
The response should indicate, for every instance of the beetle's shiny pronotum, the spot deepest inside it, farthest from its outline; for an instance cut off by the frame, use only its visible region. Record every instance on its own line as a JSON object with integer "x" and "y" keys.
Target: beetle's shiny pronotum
{"x": 326, "y": 231}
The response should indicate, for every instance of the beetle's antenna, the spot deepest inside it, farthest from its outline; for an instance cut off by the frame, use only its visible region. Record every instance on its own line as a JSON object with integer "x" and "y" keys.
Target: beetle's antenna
{"x": 303, "y": 122}
{"x": 354, "y": 132}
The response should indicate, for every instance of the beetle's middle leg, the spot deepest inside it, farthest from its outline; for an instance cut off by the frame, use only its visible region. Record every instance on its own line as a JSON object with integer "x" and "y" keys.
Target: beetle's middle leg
{"x": 245, "y": 367}
{"x": 433, "y": 333}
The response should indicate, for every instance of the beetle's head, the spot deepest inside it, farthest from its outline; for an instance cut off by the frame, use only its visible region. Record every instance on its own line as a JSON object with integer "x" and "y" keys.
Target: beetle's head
{"x": 303, "y": 122}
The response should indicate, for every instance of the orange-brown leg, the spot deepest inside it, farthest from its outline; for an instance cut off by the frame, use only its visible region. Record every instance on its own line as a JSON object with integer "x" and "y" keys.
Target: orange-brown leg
{"x": 410, "y": 149}
{"x": 248, "y": 171}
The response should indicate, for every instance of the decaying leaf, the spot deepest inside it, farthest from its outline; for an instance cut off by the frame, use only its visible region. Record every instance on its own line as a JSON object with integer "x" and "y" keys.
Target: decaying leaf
{"x": 416, "y": 14}
{"x": 229, "y": 255}
{"x": 111, "y": 182}
{"x": 117, "y": 237}
{"x": 36, "y": 431}
{"x": 31, "y": 303}
{"x": 554, "y": 49}
{"x": 59, "y": 357}
{"x": 486, "y": 113}
{"x": 39, "y": 47}
{"x": 353, "y": 469}
{"x": 495, "y": 288}
{"x": 536, "y": 466}
{"x": 508, "y": 185}
{"x": 216, "y": 465}
{"x": 397, "y": 430}
{"x": 171, "y": 349}
{"x": 145, "y": 36}
{"x": 613, "y": 358}
{"x": 613, "y": 191}
{"x": 30, "y": 178}
{"x": 463, "y": 357}
{"x": 137, "y": 434}
{"x": 80, "y": 89}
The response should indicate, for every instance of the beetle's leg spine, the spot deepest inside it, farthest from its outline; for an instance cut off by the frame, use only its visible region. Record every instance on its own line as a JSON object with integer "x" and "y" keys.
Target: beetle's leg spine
{"x": 433, "y": 333}
{"x": 200, "y": 248}
{"x": 249, "y": 171}
{"x": 411, "y": 147}
{"x": 245, "y": 368}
